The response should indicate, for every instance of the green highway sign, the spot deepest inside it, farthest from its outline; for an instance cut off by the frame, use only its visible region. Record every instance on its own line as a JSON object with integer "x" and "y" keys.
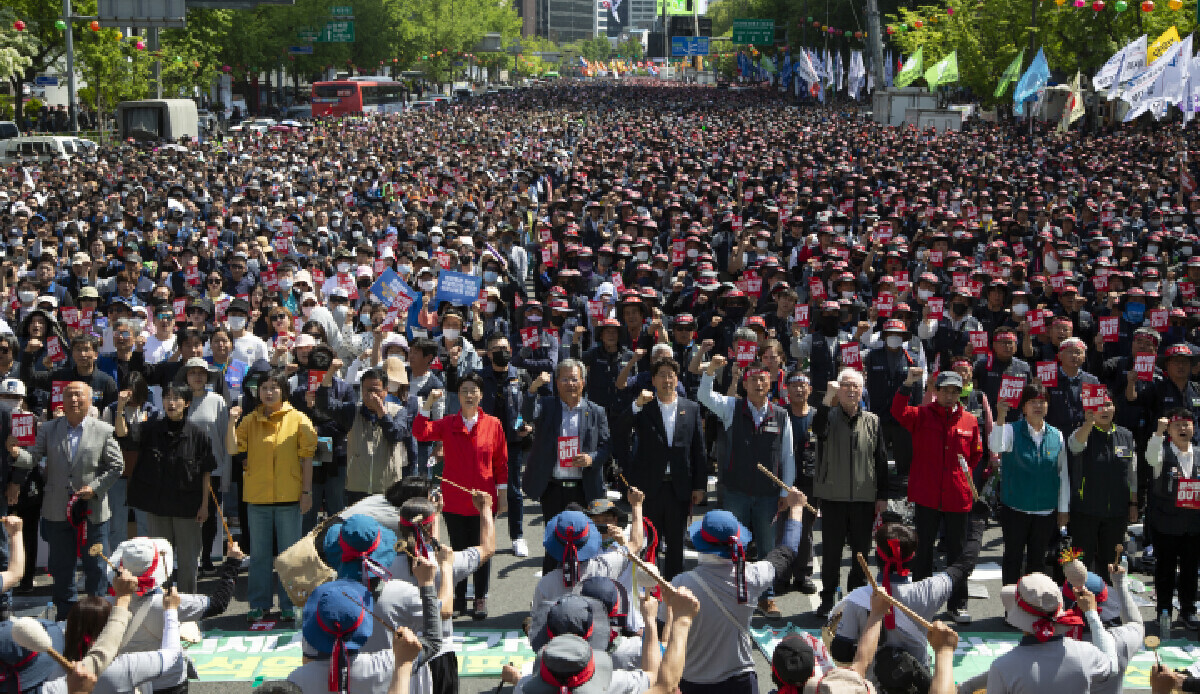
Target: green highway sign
{"x": 308, "y": 34}
{"x": 337, "y": 32}
{"x": 760, "y": 32}
{"x": 342, "y": 12}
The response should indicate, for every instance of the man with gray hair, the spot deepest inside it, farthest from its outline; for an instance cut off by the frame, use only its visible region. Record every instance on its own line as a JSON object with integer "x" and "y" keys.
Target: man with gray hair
{"x": 850, "y": 483}
{"x": 1064, "y": 396}
{"x": 570, "y": 444}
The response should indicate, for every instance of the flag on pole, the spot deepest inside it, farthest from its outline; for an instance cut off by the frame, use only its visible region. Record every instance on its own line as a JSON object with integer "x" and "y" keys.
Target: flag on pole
{"x": 1169, "y": 38}
{"x": 1132, "y": 65}
{"x": 1074, "y": 106}
{"x": 1011, "y": 74}
{"x": 1031, "y": 83}
{"x": 944, "y": 71}
{"x": 1108, "y": 74}
{"x": 912, "y": 69}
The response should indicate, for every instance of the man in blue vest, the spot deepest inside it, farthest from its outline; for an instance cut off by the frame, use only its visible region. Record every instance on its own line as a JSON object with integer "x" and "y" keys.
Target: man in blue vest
{"x": 886, "y": 370}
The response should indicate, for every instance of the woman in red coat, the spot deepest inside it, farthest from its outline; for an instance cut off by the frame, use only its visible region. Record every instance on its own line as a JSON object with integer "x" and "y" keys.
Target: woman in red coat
{"x": 476, "y": 457}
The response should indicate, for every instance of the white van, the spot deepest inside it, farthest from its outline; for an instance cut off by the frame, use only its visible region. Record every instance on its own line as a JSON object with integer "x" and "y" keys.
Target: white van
{"x": 39, "y": 147}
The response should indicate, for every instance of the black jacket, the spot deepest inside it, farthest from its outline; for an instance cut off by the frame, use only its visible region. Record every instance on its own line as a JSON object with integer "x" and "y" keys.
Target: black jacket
{"x": 169, "y": 477}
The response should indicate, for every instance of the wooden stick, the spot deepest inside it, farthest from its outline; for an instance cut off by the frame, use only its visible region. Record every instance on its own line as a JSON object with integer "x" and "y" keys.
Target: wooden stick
{"x": 70, "y": 667}
{"x": 97, "y": 550}
{"x": 762, "y": 468}
{"x": 895, "y": 603}
{"x": 652, "y": 573}
{"x": 456, "y": 485}
{"x": 374, "y": 616}
{"x": 221, "y": 515}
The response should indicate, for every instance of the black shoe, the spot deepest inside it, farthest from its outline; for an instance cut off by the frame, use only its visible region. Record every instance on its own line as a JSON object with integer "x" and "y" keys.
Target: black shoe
{"x": 806, "y": 586}
{"x": 460, "y": 607}
{"x": 1191, "y": 621}
{"x": 825, "y": 607}
{"x": 480, "y": 612}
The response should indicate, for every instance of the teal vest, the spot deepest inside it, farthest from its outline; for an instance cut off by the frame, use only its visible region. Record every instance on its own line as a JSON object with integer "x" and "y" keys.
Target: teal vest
{"x": 1029, "y": 472}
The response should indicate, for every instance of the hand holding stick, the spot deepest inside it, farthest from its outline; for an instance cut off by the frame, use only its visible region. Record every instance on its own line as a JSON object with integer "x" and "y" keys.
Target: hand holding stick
{"x": 652, "y": 572}
{"x": 895, "y": 603}
{"x": 762, "y": 468}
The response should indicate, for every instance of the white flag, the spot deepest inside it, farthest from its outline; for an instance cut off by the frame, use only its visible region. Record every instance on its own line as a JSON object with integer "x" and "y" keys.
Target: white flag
{"x": 1133, "y": 62}
{"x": 857, "y": 74}
{"x": 1191, "y": 102}
{"x": 1141, "y": 87}
{"x": 803, "y": 68}
{"x": 1173, "y": 82}
{"x": 1108, "y": 74}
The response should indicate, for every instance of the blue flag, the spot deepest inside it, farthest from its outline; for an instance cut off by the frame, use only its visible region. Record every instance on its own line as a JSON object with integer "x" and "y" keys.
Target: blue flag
{"x": 1033, "y": 81}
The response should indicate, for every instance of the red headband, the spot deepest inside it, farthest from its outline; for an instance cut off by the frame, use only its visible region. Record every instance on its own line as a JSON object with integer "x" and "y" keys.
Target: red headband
{"x": 738, "y": 554}
{"x": 570, "y": 557}
{"x": 419, "y": 529}
{"x": 1043, "y": 628}
{"x": 785, "y": 687}
{"x": 566, "y": 684}
{"x": 892, "y": 562}
{"x": 349, "y": 553}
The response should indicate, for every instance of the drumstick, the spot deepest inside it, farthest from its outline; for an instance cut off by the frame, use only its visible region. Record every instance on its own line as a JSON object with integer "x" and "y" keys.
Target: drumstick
{"x": 374, "y": 616}
{"x": 221, "y": 515}
{"x": 762, "y": 468}
{"x": 97, "y": 550}
{"x": 456, "y": 485}
{"x": 652, "y": 573}
{"x": 895, "y": 603}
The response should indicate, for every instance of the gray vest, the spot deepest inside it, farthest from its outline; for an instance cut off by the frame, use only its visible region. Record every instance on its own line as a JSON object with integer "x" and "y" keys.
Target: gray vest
{"x": 846, "y": 465}
{"x": 750, "y": 445}
{"x": 372, "y": 462}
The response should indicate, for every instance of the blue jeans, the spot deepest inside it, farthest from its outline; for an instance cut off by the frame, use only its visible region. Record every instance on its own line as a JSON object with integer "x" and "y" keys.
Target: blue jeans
{"x": 282, "y": 522}
{"x": 516, "y": 496}
{"x": 330, "y": 495}
{"x": 61, "y": 561}
{"x": 756, "y": 513}
{"x": 118, "y": 530}
{"x": 417, "y": 468}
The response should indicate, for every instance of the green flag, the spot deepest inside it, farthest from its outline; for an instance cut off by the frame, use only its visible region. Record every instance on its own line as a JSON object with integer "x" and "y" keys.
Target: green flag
{"x": 944, "y": 72}
{"x": 911, "y": 71}
{"x": 1012, "y": 73}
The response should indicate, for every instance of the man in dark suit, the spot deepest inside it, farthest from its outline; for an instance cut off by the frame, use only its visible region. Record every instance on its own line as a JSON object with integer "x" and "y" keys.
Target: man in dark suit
{"x": 570, "y": 444}
{"x": 669, "y": 459}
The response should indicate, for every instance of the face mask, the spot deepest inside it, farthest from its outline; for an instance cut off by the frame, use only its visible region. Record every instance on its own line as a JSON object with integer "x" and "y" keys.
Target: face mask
{"x": 501, "y": 357}
{"x": 924, "y": 294}
{"x": 1152, "y": 249}
{"x": 490, "y": 276}
{"x": 848, "y": 295}
{"x": 642, "y": 255}
{"x": 1150, "y": 287}
{"x": 306, "y": 310}
{"x": 959, "y": 309}
{"x": 110, "y": 236}
{"x": 428, "y": 285}
{"x": 490, "y": 307}
{"x": 1134, "y": 313}
{"x": 763, "y": 244}
{"x": 285, "y": 285}
{"x": 533, "y": 318}
{"x": 451, "y": 333}
{"x": 27, "y": 297}
{"x": 339, "y": 314}
{"x": 895, "y": 341}
{"x": 735, "y": 313}
{"x": 343, "y": 267}
{"x": 435, "y": 240}
{"x": 829, "y": 326}
{"x": 237, "y": 323}
{"x": 1051, "y": 264}
{"x": 693, "y": 252}
{"x": 404, "y": 269}
{"x": 1020, "y": 309}
{"x": 1105, "y": 252}
{"x": 1185, "y": 250}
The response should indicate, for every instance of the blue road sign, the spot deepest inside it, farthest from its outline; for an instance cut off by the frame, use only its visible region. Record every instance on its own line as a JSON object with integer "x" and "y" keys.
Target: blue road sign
{"x": 685, "y": 46}
{"x": 45, "y": 81}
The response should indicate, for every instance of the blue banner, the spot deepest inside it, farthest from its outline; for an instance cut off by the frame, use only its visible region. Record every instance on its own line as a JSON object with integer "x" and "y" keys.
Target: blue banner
{"x": 458, "y": 288}
{"x": 389, "y": 286}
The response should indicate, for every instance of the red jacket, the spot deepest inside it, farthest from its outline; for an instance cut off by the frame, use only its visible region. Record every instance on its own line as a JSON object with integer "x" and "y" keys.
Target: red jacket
{"x": 936, "y": 479}
{"x": 476, "y": 460}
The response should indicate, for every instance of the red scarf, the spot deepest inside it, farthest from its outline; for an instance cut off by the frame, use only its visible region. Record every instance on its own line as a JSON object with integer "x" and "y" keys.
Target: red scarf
{"x": 566, "y": 684}
{"x": 1043, "y": 628}
{"x": 349, "y": 553}
{"x": 570, "y": 557}
{"x": 784, "y": 686}
{"x": 651, "y": 554}
{"x": 1076, "y": 632}
{"x": 13, "y": 671}
{"x": 339, "y": 659}
{"x": 892, "y": 562}
{"x": 81, "y": 529}
{"x": 738, "y": 554}
{"x": 419, "y": 530}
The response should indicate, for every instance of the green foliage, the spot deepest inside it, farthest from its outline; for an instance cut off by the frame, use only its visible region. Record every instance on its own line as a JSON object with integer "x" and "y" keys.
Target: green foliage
{"x": 630, "y": 49}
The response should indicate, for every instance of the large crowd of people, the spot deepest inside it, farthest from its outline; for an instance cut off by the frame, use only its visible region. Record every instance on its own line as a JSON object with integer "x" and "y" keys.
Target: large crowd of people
{"x": 610, "y": 304}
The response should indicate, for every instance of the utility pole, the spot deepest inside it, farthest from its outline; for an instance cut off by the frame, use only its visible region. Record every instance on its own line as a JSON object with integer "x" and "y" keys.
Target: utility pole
{"x": 876, "y": 42}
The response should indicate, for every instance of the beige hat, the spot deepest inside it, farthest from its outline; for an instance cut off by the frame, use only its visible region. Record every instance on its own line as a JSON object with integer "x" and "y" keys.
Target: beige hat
{"x": 839, "y": 681}
{"x": 1035, "y": 606}
{"x": 396, "y": 372}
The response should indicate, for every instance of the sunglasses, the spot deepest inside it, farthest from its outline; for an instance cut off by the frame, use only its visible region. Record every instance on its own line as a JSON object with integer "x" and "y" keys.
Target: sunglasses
{"x": 214, "y": 280}
{"x": 165, "y": 316}
{"x": 279, "y": 316}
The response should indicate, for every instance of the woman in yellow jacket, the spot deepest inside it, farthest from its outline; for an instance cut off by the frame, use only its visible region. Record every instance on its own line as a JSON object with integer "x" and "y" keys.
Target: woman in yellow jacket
{"x": 279, "y": 442}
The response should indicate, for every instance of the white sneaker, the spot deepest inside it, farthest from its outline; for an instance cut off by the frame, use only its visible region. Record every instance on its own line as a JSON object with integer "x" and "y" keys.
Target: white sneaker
{"x": 961, "y": 616}
{"x": 520, "y": 549}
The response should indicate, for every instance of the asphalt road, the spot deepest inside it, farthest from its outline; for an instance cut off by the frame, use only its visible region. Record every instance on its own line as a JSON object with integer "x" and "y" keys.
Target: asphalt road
{"x": 512, "y": 588}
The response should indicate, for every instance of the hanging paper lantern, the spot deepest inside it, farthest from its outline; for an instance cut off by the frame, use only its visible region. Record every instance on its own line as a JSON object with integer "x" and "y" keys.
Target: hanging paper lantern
{"x": 1080, "y": 3}
{"x": 226, "y": 69}
{"x": 1147, "y": 5}
{"x": 60, "y": 25}
{"x": 904, "y": 27}
{"x": 858, "y": 35}
{"x": 891, "y": 30}
{"x": 140, "y": 45}
{"x": 1120, "y": 5}
{"x": 178, "y": 59}
{"x": 918, "y": 24}
{"x": 1174, "y": 5}
{"x": 94, "y": 26}
{"x": 1098, "y": 5}
{"x": 19, "y": 25}
{"x": 950, "y": 11}
{"x": 195, "y": 63}
{"x": 120, "y": 36}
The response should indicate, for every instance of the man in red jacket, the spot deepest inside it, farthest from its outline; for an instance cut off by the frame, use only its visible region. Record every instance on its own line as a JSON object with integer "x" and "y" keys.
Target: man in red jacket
{"x": 947, "y": 445}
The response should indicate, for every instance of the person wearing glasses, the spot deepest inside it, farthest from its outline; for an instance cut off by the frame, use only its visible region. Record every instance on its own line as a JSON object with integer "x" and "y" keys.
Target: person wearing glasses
{"x": 239, "y": 280}
{"x": 214, "y": 287}
{"x": 160, "y": 342}
{"x": 81, "y": 367}
{"x": 247, "y": 347}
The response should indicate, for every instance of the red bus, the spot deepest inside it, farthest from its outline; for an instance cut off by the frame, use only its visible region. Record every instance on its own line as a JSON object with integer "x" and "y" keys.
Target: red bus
{"x": 356, "y": 96}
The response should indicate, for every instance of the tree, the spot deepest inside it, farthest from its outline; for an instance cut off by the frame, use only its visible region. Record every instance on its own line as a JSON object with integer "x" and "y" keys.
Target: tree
{"x": 46, "y": 42}
{"x": 16, "y": 47}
